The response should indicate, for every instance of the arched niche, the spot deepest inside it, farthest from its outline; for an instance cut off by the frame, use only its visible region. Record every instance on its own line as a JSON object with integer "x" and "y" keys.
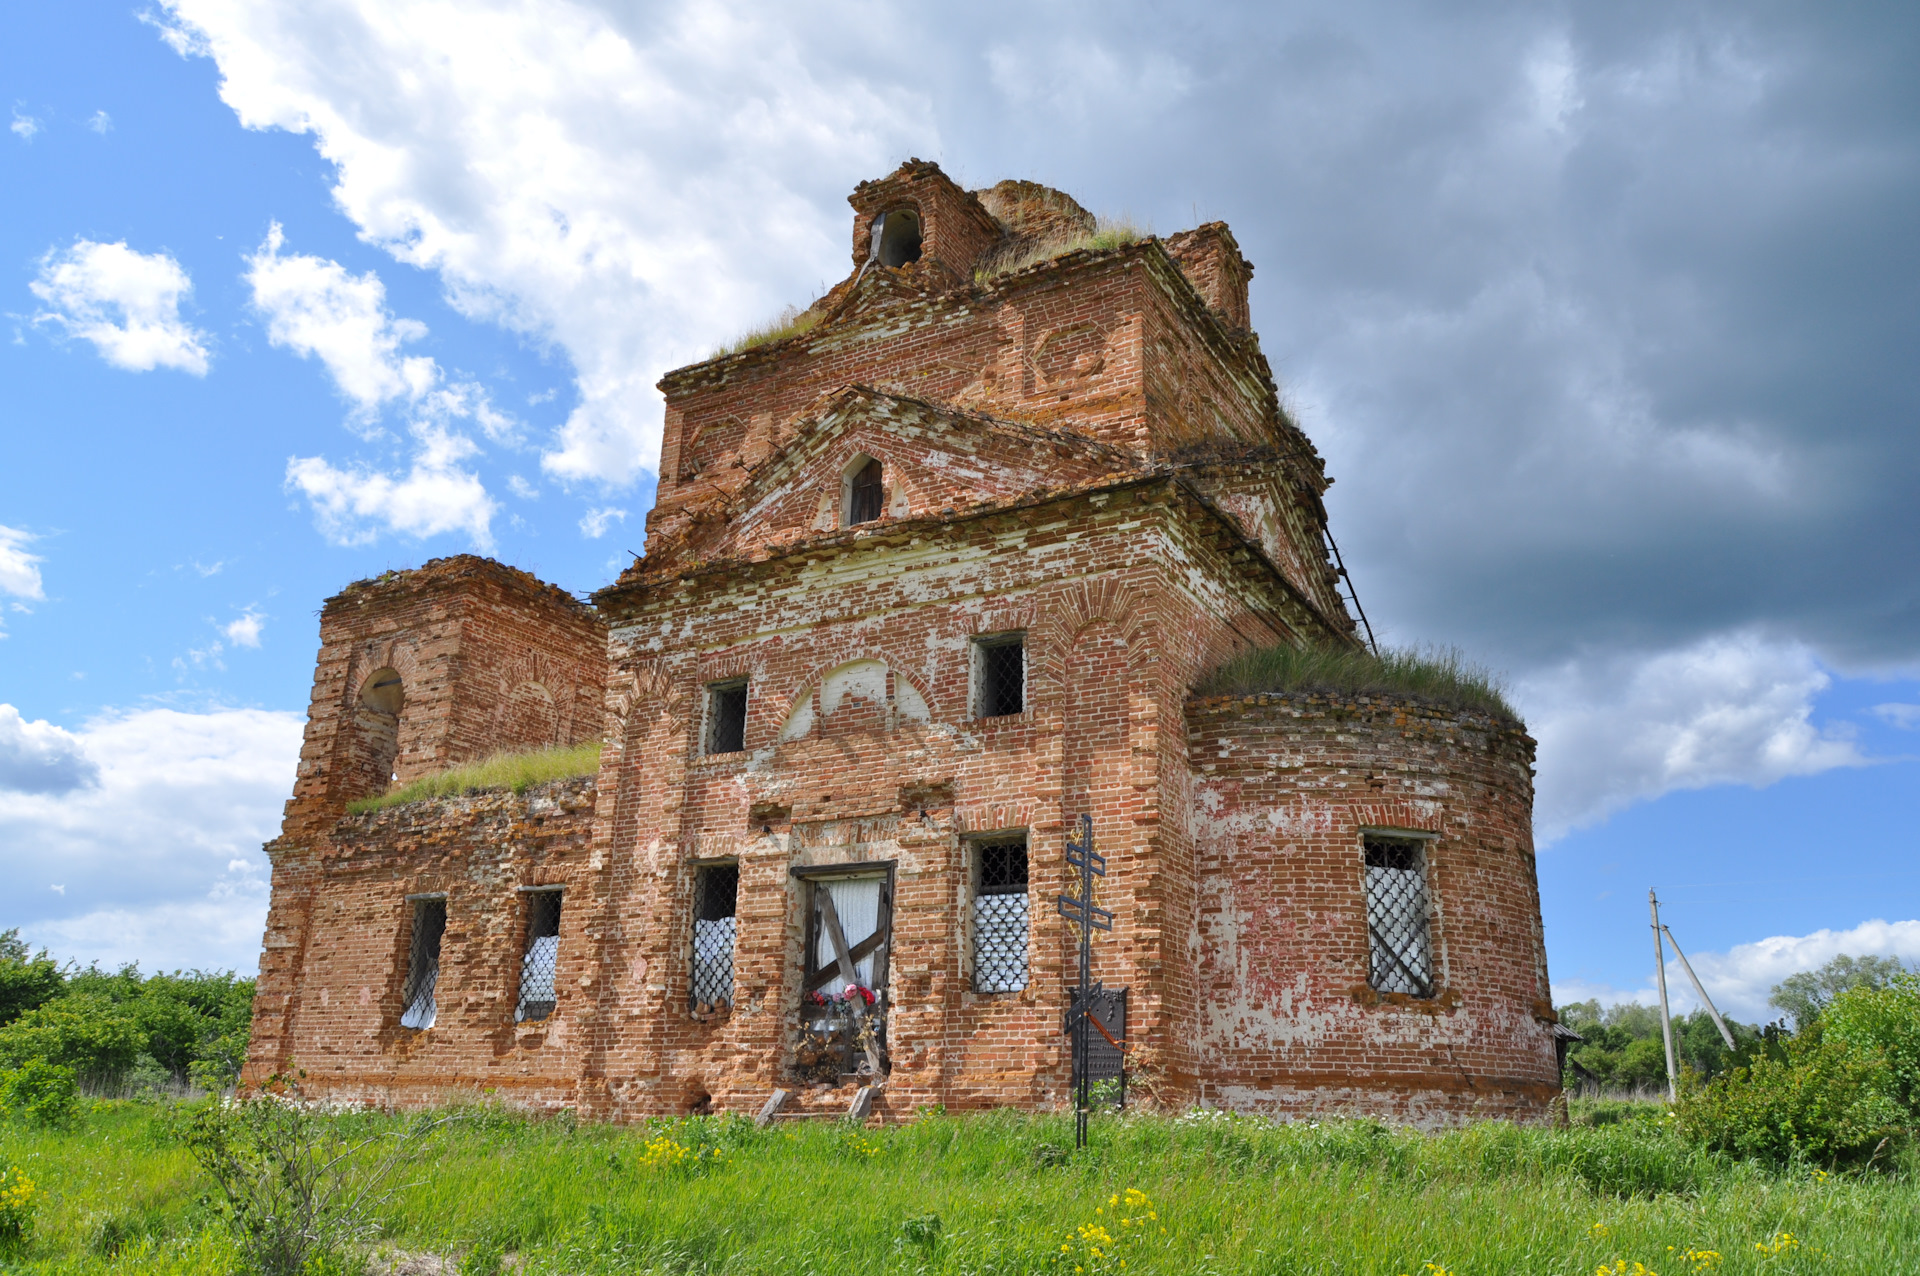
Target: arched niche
{"x": 859, "y": 695}
{"x": 373, "y": 743}
{"x": 530, "y": 719}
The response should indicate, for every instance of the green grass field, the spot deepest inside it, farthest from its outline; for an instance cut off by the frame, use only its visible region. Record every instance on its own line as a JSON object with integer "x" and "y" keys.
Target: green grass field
{"x": 1003, "y": 1194}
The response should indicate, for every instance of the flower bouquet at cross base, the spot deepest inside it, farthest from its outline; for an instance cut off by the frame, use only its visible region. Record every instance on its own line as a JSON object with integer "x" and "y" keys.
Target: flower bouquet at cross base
{"x": 835, "y": 1034}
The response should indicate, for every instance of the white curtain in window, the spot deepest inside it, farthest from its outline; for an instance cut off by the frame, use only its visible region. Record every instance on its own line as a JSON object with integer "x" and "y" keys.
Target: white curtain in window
{"x": 538, "y": 968}
{"x": 420, "y": 1013}
{"x": 857, "y": 901}
{"x": 713, "y": 959}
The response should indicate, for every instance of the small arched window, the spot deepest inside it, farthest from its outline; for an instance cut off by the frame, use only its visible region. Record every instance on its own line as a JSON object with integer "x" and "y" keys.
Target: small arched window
{"x": 899, "y": 238}
{"x": 375, "y": 734}
{"x": 866, "y": 494}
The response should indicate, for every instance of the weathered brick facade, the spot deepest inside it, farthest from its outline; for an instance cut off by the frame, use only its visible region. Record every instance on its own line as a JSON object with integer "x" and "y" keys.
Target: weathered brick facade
{"x": 1085, "y": 456}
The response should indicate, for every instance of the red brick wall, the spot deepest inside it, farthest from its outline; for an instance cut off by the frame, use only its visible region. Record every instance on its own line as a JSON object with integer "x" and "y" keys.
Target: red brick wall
{"x": 1152, "y": 512}
{"x": 476, "y": 644}
{"x": 337, "y": 950}
{"x": 1287, "y": 1020}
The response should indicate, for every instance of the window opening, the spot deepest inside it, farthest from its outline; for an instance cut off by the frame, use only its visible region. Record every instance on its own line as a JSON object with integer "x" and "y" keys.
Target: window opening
{"x": 716, "y": 896}
{"x": 864, "y": 502}
{"x": 1000, "y": 675}
{"x": 376, "y": 733}
{"x": 727, "y": 716}
{"x": 1000, "y": 916}
{"x": 423, "y": 963}
{"x": 899, "y": 238}
{"x": 1397, "y": 916}
{"x": 844, "y": 1021}
{"x": 541, "y": 960}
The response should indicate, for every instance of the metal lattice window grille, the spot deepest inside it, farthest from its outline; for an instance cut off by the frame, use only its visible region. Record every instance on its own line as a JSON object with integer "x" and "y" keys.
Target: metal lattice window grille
{"x": 866, "y": 496}
{"x": 1000, "y": 675}
{"x": 727, "y": 716}
{"x": 1398, "y": 922}
{"x": 1000, "y": 916}
{"x": 716, "y": 894}
{"x": 423, "y": 963}
{"x": 541, "y": 960}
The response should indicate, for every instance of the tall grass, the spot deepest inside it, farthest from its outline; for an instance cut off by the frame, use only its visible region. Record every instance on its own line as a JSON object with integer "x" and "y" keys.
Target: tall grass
{"x": 1003, "y": 1193}
{"x": 790, "y": 322}
{"x": 516, "y": 771}
{"x": 1107, "y": 233}
{"x": 1439, "y": 675}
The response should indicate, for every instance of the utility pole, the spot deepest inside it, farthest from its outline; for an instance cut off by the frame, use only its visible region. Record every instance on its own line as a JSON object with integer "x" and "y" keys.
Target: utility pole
{"x": 1666, "y": 1019}
{"x": 1718, "y": 1022}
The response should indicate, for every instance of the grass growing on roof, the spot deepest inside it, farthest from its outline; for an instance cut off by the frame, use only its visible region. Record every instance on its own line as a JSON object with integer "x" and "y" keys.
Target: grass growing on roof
{"x": 1107, "y": 233}
{"x": 790, "y": 322}
{"x": 1441, "y": 675}
{"x": 516, "y": 771}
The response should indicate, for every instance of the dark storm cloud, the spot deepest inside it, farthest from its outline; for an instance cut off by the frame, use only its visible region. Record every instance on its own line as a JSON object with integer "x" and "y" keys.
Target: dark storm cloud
{"x": 1603, "y": 315}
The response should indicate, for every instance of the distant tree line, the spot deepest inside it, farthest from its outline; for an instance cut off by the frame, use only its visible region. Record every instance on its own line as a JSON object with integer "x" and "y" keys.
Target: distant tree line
{"x": 1835, "y": 1081}
{"x": 1621, "y": 1048}
{"x": 65, "y": 1028}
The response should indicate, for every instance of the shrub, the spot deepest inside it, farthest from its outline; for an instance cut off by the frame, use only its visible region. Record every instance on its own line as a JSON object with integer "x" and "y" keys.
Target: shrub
{"x": 40, "y": 1093}
{"x": 86, "y": 1032}
{"x": 1440, "y": 675}
{"x": 1883, "y": 1020}
{"x": 26, "y": 980}
{"x": 297, "y": 1191}
{"x": 1825, "y": 1103}
{"x": 19, "y": 1199}
{"x": 516, "y": 771}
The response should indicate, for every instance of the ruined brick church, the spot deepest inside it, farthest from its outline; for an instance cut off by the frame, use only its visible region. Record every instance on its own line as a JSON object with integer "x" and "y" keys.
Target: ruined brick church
{"x": 932, "y": 574}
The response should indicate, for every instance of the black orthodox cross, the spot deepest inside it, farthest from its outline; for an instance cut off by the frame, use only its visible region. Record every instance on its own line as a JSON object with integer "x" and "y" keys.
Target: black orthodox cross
{"x": 1090, "y": 917}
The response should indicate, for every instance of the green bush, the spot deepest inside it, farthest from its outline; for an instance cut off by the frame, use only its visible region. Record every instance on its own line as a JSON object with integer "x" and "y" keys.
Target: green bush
{"x": 39, "y": 1093}
{"x": 26, "y": 980}
{"x": 1883, "y": 1020}
{"x": 1825, "y": 1103}
{"x": 86, "y": 1032}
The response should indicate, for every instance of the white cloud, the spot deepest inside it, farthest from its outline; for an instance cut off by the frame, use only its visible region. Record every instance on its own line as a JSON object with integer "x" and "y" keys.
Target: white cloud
{"x": 19, "y": 570}
{"x": 100, "y": 122}
{"x": 38, "y": 757}
{"x": 1740, "y": 979}
{"x": 1628, "y": 727}
{"x": 147, "y": 854}
{"x": 522, "y": 489}
{"x": 314, "y": 307}
{"x": 24, "y": 126}
{"x": 1904, "y": 716}
{"x": 584, "y": 177}
{"x": 245, "y": 630}
{"x": 594, "y": 524}
{"x": 436, "y": 495}
{"x": 126, "y": 303}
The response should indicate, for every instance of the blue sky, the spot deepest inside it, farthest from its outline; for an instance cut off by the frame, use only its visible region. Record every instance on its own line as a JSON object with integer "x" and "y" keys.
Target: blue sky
{"x": 1602, "y": 317}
